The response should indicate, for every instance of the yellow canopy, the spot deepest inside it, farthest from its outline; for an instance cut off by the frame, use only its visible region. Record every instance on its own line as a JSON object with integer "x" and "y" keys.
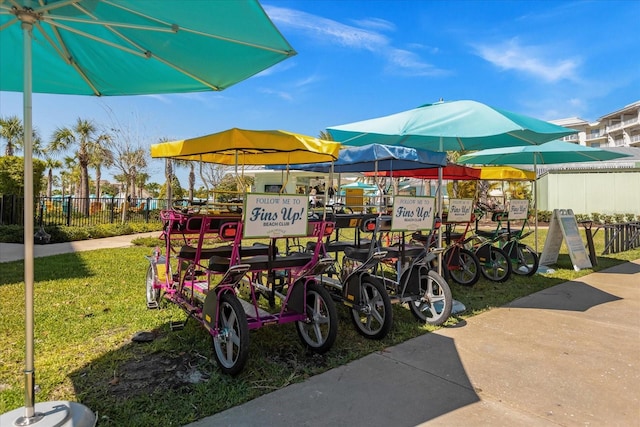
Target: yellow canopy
{"x": 250, "y": 147}
{"x": 505, "y": 173}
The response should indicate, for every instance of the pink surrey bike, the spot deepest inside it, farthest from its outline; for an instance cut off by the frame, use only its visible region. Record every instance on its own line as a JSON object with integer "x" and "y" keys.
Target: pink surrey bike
{"x": 221, "y": 286}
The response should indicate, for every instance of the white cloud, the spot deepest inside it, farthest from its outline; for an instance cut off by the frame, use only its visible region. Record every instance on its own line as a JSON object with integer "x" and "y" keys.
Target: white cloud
{"x": 280, "y": 94}
{"x": 511, "y": 55}
{"x": 376, "y": 24}
{"x": 325, "y": 31}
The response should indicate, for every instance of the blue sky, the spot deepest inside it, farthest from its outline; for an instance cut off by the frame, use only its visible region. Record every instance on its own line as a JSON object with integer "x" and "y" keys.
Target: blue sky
{"x": 362, "y": 59}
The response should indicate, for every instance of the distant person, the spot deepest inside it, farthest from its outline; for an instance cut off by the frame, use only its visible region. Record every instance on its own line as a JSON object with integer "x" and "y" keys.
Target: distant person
{"x": 313, "y": 200}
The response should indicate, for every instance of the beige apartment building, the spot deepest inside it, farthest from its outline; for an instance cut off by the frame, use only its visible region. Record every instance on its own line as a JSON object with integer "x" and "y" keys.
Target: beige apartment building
{"x": 619, "y": 128}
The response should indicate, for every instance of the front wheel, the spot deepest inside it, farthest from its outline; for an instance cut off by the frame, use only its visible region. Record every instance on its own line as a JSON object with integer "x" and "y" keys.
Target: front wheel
{"x": 375, "y": 316}
{"x": 231, "y": 337}
{"x": 435, "y": 303}
{"x": 525, "y": 262}
{"x": 462, "y": 266}
{"x": 153, "y": 293}
{"x": 320, "y": 329}
{"x": 495, "y": 264}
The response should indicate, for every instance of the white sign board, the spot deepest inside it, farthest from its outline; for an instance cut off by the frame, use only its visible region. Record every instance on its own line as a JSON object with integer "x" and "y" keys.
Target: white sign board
{"x": 460, "y": 210}
{"x": 275, "y": 215}
{"x": 518, "y": 209}
{"x": 563, "y": 225}
{"x": 413, "y": 213}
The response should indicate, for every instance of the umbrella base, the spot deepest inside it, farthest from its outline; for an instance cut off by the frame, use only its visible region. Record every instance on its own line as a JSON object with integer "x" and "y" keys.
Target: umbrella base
{"x": 51, "y": 414}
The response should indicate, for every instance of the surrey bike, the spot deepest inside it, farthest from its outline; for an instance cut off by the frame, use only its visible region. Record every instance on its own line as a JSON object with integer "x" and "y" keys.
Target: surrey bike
{"x": 411, "y": 278}
{"x": 206, "y": 282}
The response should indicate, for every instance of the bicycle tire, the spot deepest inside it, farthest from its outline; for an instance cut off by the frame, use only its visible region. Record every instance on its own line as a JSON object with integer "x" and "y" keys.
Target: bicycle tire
{"x": 495, "y": 264}
{"x": 435, "y": 302}
{"x": 464, "y": 269}
{"x": 375, "y": 318}
{"x": 231, "y": 343}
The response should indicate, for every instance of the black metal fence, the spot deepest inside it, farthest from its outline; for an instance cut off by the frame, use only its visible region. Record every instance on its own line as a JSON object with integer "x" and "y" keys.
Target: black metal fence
{"x": 80, "y": 212}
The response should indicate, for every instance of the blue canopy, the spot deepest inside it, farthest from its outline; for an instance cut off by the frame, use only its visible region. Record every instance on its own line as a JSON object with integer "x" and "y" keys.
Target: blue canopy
{"x": 372, "y": 157}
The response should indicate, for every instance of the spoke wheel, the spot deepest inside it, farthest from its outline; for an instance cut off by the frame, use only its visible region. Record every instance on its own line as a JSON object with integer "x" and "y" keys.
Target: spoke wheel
{"x": 319, "y": 331}
{"x": 375, "y": 317}
{"x": 525, "y": 263}
{"x": 231, "y": 340}
{"x": 462, "y": 266}
{"x": 153, "y": 293}
{"x": 435, "y": 304}
{"x": 497, "y": 266}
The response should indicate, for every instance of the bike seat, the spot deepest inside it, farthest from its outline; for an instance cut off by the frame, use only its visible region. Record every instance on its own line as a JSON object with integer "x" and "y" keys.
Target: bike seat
{"x": 263, "y": 262}
{"x": 410, "y": 251}
{"x": 359, "y": 254}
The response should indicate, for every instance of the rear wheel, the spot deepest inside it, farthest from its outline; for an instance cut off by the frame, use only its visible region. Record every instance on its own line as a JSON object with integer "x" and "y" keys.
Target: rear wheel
{"x": 495, "y": 264}
{"x": 374, "y": 317}
{"x": 435, "y": 301}
{"x": 231, "y": 340}
{"x": 462, "y": 266}
{"x": 525, "y": 261}
{"x": 319, "y": 331}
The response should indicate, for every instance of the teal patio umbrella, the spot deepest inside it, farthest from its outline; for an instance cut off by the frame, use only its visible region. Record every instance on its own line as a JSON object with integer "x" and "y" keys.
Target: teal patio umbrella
{"x": 120, "y": 47}
{"x": 549, "y": 153}
{"x": 450, "y": 126}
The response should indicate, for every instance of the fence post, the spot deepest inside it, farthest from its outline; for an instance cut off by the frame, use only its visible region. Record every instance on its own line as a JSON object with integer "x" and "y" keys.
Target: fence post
{"x": 111, "y": 209}
{"x": 68, "y": 204}
{"x": 147, "y": 209}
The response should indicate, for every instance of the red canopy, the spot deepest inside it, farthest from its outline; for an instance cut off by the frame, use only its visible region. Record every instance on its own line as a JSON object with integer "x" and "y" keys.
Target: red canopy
{"x": 451, "y": 172}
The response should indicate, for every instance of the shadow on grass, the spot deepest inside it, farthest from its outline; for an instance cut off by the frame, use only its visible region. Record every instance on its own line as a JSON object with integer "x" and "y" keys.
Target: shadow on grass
{"x": 56, "y": 267}
{"x": 174, "y": 379}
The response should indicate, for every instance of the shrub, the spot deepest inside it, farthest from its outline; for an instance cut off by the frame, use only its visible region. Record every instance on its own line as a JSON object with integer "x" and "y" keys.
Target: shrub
{"x": 630, "y": 217}
{"x": 582, "y": 217}
{"x": 607, "y": 219}
{"x": 544, "y": 216}
{"x": 596, "y": 216}
{"x": 61, "y": 233}
{"x": 618, "y": 218}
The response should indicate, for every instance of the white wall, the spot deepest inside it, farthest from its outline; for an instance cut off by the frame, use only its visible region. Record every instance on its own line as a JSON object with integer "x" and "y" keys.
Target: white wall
{"x": 588, "y": 192}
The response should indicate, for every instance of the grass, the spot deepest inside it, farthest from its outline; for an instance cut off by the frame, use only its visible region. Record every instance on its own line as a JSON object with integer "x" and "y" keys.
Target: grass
{"x": 88, "y": 305}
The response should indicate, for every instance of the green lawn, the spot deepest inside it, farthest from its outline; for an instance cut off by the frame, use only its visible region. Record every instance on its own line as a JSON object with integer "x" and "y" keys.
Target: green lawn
{"x": 88, "y": 305}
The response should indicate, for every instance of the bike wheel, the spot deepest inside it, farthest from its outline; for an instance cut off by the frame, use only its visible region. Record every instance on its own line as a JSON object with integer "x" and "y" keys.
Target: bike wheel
{"x": 153, "y": 293}
{"x": 435, "y": 304}
{"x": 462, "y": 266}
{"x": 319, "y": 331}
{"x": 231, "y": 342}
{"x": 495, "y": 264}
{"x": 373, "y": 320}
{"x": 525, "y": 263}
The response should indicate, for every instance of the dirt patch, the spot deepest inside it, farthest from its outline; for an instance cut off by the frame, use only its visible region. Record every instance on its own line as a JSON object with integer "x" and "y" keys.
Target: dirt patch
{"x": 158, "y": 371}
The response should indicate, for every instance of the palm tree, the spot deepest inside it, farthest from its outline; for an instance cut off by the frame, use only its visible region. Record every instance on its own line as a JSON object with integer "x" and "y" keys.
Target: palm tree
{"x": 12, "y": 131}
{"x": 192, "y": 174}
{"x": 85, "y": 137}
{"x": 101, "y": 156}
{"x": 51, "y": 164}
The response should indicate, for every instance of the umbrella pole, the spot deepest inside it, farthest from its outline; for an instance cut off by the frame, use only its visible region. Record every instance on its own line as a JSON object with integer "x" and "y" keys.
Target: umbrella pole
{"x": 440, "y": 210}
{"x": 56, "y": 413}
{"x": 535, "y": 202}
{"x": 29, "y": 371}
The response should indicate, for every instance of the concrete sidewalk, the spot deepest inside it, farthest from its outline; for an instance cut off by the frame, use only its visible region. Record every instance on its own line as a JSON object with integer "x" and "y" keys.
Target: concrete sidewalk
{"x": 15, "y": 252}
{"x": 568, "y": 355}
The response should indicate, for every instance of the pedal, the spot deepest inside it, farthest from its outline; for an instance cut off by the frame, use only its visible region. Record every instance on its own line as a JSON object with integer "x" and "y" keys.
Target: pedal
{"x": 177, "y": 325}
{"x": 153, "y": 305}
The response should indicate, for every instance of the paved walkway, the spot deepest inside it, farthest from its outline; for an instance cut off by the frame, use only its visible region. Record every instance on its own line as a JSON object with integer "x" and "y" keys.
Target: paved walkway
{"x": 565, "y": 356}
{"x": 15, "y": 251}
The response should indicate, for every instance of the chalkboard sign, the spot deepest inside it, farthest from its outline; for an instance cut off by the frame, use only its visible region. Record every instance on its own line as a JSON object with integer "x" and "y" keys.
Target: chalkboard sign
{"x": 563, "y": 225}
